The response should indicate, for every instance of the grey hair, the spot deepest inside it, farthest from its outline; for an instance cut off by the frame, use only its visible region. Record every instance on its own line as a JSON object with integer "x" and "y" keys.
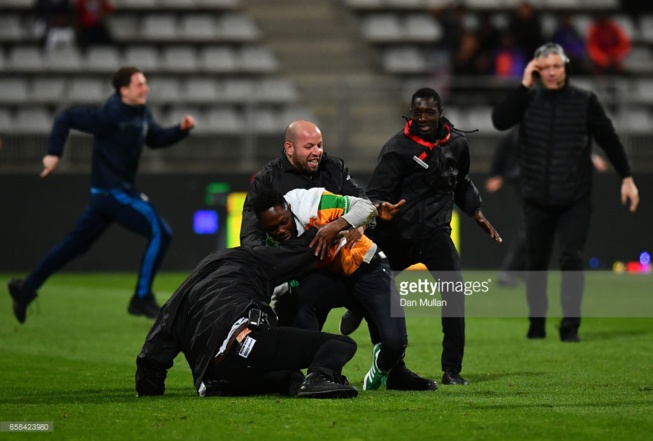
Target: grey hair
{"x": 551, "y": 48}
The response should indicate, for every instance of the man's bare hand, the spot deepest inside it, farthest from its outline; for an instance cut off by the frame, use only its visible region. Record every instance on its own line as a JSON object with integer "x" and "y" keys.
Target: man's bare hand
{"x": 387, "y": 210}
{"x": 325, "y": 236}
{"x": 50, "y": 162}
{"x": 187, "y": 123}
{"x": 487, "y": 226}
{"x": 629, "y": 191}
{"x": 353, "y": 235}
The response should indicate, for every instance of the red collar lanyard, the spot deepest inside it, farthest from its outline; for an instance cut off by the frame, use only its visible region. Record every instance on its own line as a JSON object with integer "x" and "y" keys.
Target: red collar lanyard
{"x": 429, "y": 145}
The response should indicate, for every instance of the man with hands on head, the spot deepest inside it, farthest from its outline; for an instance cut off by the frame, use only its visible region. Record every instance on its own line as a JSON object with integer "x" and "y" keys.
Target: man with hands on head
{"x": 557, "y": 123}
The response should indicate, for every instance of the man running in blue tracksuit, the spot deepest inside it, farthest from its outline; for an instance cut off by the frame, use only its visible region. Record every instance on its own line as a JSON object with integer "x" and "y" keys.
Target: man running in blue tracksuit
{"x": 120, "y": 128}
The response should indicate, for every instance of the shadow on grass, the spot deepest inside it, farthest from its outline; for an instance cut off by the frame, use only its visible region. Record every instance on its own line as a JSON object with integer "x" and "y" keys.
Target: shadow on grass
{"x": 612, "y": 335}
{"x": 90, "y": 396}
{"x": 498, "y": 376}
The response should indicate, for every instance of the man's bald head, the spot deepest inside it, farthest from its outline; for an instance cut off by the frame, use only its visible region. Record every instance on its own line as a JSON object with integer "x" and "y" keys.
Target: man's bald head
{"x": 303, "y": 145}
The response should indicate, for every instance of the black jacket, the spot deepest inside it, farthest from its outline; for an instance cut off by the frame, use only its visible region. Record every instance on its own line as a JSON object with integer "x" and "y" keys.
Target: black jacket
{"x": 280, "y": 175}
{"x": 119, "y": 132}
{"x": 555, "y": 141}
{"x": 223, "y": 287}
{"x": 430, "y": 192}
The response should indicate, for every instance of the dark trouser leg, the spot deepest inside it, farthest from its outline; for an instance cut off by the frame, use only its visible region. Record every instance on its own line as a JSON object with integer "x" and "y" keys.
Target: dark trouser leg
{"x": 89, "y": 227}
{"x": 573, "y": 226}
{"x": 285, "y": 350}
{"x": 440, "y": 255}
{"x": 540, "y": 234}
{"x": 156, "y": 357}
{"x": 139, "y": 216}
{"x": 317, "y": 294}
{"x": 373, "y": 287}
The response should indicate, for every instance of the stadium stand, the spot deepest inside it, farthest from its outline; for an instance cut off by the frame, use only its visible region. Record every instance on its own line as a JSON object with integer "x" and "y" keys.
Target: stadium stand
{"x": 240, "y": 68}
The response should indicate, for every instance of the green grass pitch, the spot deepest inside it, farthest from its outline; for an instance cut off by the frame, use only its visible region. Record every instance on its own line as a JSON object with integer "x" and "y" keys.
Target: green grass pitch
{"x": 73, "y": 364}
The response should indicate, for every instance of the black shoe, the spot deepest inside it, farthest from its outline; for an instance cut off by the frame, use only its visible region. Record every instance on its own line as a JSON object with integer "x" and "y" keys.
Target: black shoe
{"x": 537, "y": 328}
{"x": 349, "y": 322}
{"x": 454, "y": 378}
{"x": 146, "y": 306}
{"x": 569, "y": 334}
{"x": 316, "y": 385}
{"x": 22, "y": 297}
{"x": 506, "y": 279}
{"x": 402, "y": 378}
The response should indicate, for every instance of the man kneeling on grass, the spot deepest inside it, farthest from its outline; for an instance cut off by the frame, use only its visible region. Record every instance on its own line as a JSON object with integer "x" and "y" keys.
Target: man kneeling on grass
{"x": 221, "y": 320}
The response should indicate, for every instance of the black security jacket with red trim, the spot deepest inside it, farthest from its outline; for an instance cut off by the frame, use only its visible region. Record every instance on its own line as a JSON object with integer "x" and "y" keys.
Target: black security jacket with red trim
{"x": 430, "y": 193}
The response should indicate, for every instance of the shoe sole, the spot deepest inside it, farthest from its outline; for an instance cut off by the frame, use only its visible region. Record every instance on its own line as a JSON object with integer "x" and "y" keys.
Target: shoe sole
{"x": 421, "y": 389}
{"x": 350, "y": 393}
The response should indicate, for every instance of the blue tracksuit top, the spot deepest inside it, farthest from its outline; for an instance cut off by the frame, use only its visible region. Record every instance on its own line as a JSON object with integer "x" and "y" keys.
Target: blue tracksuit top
{"x": 119, "y": 132}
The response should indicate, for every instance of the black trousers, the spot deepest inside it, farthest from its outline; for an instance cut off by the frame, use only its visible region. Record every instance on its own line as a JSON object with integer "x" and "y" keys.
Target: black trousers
{"x": 371, "y": 291}
{"x": 571, "y": 224}
{"x": 132, "y": 211}
{"x": 268, "y": 360}
{"x": 437, "y": 253}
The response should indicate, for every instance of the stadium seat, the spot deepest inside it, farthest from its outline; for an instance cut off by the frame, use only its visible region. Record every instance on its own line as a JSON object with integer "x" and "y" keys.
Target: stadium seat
{"x": 237, "y": 91}
{"x": 264, "y": 120}
{"x": 218, "y": 59}
{"x": 102, "y": 59}
{"x": 177, "y": 4}
{"x": 13, "y": 90}
{"x": 195, "y": 27}
{"x": 6, "y": 121}
{"x": 218, "y": 4}
{"x": 257, "y": 59}
{"x": 179, "y": 59}
{"x": 238, "y": 27}
{"x": 199, "y": 90}
{"x": 639, "y": 60}
{"x": 124, "y": 27}
{"x": 143, "y": 57}
{"x": 404, "y": 60}
{"x": 294, "y": 112}
{"x": 32, "y": 120}
{"x": 88, "y": 91}
{"x": 646, "y": 28}
{"x": 272, "y": 90}
{"x": 165, "y": 90}
{"x": 381, "y": 28}
{"x": 11, "y": 28}
{"x": 561, "y": 4}
{"x": 47, "y": 90}
{"x": 25, "y": 58}
{"x": 224, "y": 120}
{"x": 64, "y": 60}
{"x": 422, "y": 27}
{"x": 159, "y": 27}
{"x": 364, "y": 4}
{"x": 140, "y": 4}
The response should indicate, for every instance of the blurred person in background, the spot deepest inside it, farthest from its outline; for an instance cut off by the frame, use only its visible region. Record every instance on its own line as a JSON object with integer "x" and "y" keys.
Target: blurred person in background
{"x": 566, "y": 35}
{"x": 120, "y": 128}
{"x": 526, "y": 28}
{"x": 557, "y": 123}
{"x": 91, "y": 25}
{"x": 607, "y": 45}
{"x": 54, "y": 24}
